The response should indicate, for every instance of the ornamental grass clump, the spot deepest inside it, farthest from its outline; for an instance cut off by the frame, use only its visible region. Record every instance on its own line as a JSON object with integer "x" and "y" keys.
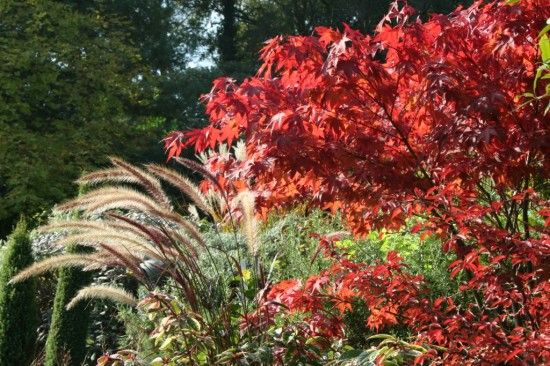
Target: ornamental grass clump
{"x": 127, "y": 219}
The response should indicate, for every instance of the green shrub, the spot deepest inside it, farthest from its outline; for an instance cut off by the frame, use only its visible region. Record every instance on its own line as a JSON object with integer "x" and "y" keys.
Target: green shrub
{"x": 287, "y": 239}
{"x": 66, "y": 343}
{"x": 18, "y": 310}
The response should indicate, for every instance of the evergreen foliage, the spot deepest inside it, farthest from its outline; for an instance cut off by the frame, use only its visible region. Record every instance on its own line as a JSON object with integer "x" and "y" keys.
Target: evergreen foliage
{"x": 18, "y": 309}
{"x": 66, "y": 341}
{"x": 67, "y": 93}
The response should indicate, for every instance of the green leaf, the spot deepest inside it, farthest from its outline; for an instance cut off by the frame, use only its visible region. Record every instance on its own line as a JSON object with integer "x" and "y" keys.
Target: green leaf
{"x": 544, "y": 44}
{"x": 167, "y": 343}
{"x": 175, "y": 307}
{"x": 390, "y": 363}
{"x": 351, "y": 354}
{"x": 379, "y": 336}
{"x": 195, "y": 324}
{"x": 537, "y": 77}
{"x": 544, "y": 31}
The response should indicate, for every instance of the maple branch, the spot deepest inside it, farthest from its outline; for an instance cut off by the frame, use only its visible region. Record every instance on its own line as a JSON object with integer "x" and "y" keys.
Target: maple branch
{"x": 507, "y": 205}
{"x": 404, "y": 139}
{"x": 401, "y": 135}
{"x": 525, "y": 203}
{"x": 490, "y": 201}
{"x": 525, "y": 206}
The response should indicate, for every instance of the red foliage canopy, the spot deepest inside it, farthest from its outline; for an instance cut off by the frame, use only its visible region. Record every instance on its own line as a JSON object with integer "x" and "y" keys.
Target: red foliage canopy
{"x": 419, "y": 119}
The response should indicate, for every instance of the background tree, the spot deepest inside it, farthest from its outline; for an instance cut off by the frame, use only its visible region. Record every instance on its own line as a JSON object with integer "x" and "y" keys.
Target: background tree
{"x": 18, "y": 309}
{"x": 162, "y": 33}
{"x": 67, "y": 84}
{"x": 238, "y": 28}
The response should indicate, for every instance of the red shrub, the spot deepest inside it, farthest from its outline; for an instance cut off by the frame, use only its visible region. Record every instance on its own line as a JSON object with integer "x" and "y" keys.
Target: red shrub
{"x": 391, "y": 295}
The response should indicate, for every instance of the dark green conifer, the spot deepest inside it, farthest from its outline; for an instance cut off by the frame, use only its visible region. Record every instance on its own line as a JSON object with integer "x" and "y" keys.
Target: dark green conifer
{"x": 18, "y": 308}
{"x": 66, "y": 343}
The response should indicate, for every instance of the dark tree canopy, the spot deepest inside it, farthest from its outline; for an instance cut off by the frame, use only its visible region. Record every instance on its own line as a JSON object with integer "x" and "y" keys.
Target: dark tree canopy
{"x": 65, "y": 101}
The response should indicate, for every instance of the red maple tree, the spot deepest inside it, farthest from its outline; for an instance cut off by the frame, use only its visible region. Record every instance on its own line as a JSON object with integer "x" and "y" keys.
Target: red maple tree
{"x": 420, "y": 119}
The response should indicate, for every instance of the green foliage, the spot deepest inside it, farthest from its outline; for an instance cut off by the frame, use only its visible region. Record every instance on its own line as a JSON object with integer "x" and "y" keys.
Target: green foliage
{"x": 69, "y": 328}
{"x": 138, "y": 326}
{"x": 355, "y": 325}
{"x": 18, "y": 310}
{"x": 162, "y": 47}
{"x": 177, "y": 99}
{"x": 543, "y": 72}
{"x": 422, "y": 256}
{"x": 66, "y": 93}
{"x": 287, "y": 239}
{"x": 386, "y": 350}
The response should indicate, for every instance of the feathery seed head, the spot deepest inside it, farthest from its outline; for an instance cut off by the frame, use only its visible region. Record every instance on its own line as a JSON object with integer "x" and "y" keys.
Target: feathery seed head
{"x": 102, "y": 292}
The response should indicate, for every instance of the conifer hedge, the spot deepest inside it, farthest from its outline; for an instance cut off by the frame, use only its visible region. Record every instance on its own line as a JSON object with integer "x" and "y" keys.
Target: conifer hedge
{"x": 66, "y": 343}
{"x": 18, "y": 308}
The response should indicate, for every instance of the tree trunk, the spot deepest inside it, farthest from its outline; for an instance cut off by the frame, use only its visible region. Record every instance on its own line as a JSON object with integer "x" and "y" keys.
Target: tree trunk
{"x": 227, "y": 39}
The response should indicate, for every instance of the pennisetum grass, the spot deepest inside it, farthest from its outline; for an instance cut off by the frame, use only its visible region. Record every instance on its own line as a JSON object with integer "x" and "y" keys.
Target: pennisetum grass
{"x": 160, "y": 235}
